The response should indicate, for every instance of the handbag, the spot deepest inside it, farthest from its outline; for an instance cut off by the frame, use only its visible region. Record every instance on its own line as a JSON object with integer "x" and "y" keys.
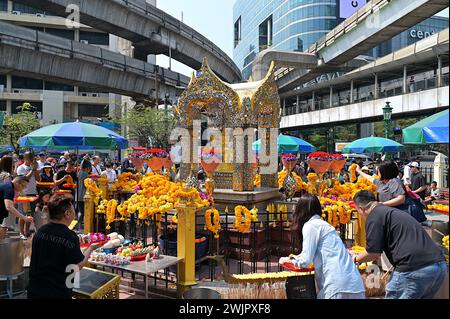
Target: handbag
{"x": 413, "y": 207}
{"x": 301, "y": 287}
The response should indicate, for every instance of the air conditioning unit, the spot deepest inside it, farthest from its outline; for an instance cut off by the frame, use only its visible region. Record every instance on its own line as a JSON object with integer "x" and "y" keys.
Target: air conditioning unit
{"x": 16, "y": 12}
{"x": 84, "y": 41}
{"x": 16, "y": 91}
{"x": 94, "y": 95}
{"x": 84, "y": 94}
{"x": 41, "y": 15}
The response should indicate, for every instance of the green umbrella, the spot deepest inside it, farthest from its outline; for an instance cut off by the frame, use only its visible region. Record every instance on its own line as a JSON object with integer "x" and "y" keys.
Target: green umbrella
{"x": 288, "y": 144}
{"x": 373, "y": 145}
{"x": 76, "y": 135}
{"x": 433, "y": 129}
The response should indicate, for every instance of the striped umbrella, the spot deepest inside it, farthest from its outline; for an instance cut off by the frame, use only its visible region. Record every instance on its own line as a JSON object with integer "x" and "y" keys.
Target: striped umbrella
{"x": 431, "y": 130}
{"x": 76, "y": 135}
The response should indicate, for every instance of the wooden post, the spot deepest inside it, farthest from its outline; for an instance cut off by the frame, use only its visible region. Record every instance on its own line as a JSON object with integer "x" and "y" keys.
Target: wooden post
{"x": 186, "y": 247}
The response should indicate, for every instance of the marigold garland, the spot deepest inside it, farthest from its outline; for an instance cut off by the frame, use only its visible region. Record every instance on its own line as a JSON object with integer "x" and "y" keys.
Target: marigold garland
{"x": 249, "y": 216}
{"x": 111, "y": 212}
{"x": 215, "y": 226}
{"x": 352, "y": 171}
{"x": 93, "y": 188}
{"x": 158, "y": 194}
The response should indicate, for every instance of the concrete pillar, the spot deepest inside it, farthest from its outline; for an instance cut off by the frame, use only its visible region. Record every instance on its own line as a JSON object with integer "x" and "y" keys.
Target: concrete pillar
{"x": 284, "y": 107}
{"x": 298, "y": 105}
{"x": 405, "y": 78}
{"x": 52, "y": 107}
{"x": 351, "y": 91}
{"x": 365, "y": 130}
{"x": 313, "y": 106}
{"x": 376, "y": 87}
{"x": 439, "y": 169}
{"x": 8, "y": 83}
{"x": 8, "y": 89}
{"x": 10, "y": 6}
{"x": 439, "y": 72}
{"x": 76, "y": 36}
{"x": 331, "y": 96}
{"x": 114, "y": 104}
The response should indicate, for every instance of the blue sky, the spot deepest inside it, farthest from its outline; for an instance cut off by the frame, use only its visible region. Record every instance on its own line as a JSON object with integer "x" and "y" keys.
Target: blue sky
{"x": 212, "y": 18}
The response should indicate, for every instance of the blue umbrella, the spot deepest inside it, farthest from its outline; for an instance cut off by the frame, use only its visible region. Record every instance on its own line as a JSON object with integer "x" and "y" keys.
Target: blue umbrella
{"x": 76, "y": 135}
{"x": 433, "y": 129}
{"x": 373, "y": 145}
{"x": 288, "y": 144}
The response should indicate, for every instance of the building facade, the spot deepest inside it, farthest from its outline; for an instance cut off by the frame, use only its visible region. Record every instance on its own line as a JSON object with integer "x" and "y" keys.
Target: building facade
{"x": 291, "y": 25}
{"x": 294, "y": 25}
{"x": 56, "y": 102}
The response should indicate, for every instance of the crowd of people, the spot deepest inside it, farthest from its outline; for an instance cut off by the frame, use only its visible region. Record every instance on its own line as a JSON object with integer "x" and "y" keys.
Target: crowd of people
{"x": 393, "y": 230}
{"x": 393, "y": 225}
{"x": 24, "y": 174}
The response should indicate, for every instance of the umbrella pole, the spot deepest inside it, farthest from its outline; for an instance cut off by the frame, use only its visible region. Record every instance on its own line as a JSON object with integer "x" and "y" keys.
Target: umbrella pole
{"x": 76, "y": 191}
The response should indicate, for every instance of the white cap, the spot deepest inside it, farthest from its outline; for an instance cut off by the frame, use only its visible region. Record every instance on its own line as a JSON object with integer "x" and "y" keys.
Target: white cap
{"x": 365, "y": 168}
{"x": 414, "y": 164}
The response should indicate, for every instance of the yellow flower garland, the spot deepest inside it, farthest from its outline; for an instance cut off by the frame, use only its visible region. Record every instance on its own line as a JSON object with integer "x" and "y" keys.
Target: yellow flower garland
{"x": 215, "y": 226}
{"x": 93, "y": 188}
{"x": 249, "y": 216}
{"x": 111, "y": 212}
{"x": 353, "y": 172}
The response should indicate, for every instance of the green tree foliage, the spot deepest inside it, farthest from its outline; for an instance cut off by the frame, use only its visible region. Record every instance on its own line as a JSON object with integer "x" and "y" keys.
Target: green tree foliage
{"x": 18, "y": 125}
{"x": 150, "y": 126}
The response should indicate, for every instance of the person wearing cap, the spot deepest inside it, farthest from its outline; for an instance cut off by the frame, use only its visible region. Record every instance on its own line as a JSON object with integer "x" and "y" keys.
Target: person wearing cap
{"x": 47, "y": 173}
{"x": 418, "y": 182}
{"x": 407, "y": 175}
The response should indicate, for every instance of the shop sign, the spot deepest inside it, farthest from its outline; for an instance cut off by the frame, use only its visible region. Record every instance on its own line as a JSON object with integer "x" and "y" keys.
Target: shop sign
{"x": 419, "y": 34}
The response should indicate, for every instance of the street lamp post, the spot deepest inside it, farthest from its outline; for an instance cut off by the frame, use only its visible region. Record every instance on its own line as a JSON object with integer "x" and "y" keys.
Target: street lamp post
{"x": 387, "y": 115}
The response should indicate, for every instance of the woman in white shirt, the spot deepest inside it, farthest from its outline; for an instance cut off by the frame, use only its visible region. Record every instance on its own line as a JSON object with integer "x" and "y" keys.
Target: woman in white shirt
{"x": 336, "y": 274}
{"x": 110, "y": 173}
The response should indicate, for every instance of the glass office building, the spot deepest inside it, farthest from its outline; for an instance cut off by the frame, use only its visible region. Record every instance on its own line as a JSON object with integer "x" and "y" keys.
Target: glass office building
{"x": 282, "y": 25}
{"x": 294, "y": 25}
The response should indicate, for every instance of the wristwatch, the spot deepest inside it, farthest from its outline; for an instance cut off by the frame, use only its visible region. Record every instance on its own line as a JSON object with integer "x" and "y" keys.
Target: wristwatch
{"x": 354, "y": 260}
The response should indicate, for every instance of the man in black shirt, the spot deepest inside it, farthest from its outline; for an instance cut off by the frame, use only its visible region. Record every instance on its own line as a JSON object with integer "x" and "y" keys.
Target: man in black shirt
{"x": 418, "y": 182}
{"x": 56, "y": 253}
{"x": 419, "y": 263}
{"x": 7, "y": 194}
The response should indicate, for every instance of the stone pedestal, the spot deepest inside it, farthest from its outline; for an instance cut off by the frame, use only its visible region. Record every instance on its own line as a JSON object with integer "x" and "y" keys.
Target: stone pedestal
{"x": 260, "y": 197}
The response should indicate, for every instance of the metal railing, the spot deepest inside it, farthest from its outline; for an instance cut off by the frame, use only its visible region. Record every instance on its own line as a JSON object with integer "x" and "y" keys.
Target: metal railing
{"x": 384, "y": 92}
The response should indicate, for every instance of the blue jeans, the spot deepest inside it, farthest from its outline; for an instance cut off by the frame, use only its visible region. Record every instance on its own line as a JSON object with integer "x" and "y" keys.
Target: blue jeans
{"x": 423, "y": 283}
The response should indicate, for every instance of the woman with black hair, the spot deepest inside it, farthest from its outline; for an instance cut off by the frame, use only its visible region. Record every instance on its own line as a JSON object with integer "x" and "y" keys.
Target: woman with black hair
{"x": 83, "y": 173}
{"x": 6, "y": 169}
{"x": 391, "y": 191}
{"x": 41, "y": 211}
{"x": 47, "y": 173}
{"x": 336, "y": 274}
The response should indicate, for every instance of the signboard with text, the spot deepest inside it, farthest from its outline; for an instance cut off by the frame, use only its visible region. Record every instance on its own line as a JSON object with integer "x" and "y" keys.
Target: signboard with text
{"x": 339, "y": 147}
{"x": 348, "y": 7}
